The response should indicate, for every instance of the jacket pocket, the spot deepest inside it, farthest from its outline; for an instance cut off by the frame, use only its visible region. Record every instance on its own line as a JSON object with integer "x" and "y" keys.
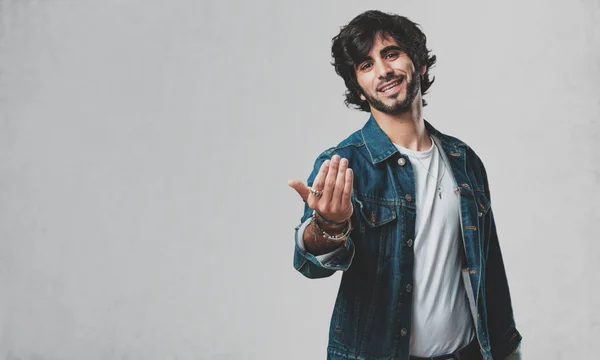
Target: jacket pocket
{"x": 374, "y": 214}
{"x": 376, "y": 224}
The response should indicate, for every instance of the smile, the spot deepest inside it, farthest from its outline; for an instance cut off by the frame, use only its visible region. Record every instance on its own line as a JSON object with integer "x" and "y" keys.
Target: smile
{"x": 391, "y": 87}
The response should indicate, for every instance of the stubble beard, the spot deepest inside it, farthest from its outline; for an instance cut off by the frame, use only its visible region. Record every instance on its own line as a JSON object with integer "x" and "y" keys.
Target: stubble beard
{"x": 399, "y": 106}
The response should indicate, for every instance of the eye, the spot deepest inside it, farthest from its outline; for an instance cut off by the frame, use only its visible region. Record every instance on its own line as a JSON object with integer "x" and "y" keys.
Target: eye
{"x": 392, "y": 55}
{"x": 365, "y": 66}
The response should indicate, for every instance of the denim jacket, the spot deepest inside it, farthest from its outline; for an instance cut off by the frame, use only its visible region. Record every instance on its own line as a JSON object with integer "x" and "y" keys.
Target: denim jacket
{"x": 372, "y": 314}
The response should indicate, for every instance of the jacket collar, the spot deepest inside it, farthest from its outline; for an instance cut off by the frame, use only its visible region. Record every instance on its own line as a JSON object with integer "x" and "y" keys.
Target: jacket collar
{"x": 380, "y": 146}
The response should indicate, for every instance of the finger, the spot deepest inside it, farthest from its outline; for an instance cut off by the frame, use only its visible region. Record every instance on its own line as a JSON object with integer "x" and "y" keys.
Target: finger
{"x": 300, "y": 188}
{"x": 318, "y": 184}
{"x": 340, "y": 180}
{"x": 319, "y": 180}
{"x": 346, "y": 202}
{"x": 330, "y": 179}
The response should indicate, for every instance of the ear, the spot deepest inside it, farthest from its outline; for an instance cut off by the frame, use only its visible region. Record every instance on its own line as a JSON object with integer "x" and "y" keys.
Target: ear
{"x": 363, "y": 98}
{"x": 423, "y": 69}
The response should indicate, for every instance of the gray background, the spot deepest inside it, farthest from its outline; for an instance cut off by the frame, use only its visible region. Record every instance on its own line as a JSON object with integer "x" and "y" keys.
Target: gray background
{"x": 145, "y": 148}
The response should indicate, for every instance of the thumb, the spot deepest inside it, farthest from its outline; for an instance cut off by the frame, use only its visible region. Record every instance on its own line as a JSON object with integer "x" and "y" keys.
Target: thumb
{"x": 300, "y": 188}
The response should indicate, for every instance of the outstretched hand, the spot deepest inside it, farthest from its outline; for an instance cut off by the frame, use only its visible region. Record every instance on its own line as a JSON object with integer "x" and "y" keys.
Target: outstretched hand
{"x": 335, "y": 180}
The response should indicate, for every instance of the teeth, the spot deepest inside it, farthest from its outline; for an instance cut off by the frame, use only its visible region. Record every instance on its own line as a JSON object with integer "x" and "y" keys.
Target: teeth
{"x": 391, "y": 85}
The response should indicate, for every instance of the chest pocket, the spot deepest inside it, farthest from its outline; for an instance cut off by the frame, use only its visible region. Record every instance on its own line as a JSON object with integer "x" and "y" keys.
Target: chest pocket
{"x": 375, "y": 222}
{"x": 374, "y": 214}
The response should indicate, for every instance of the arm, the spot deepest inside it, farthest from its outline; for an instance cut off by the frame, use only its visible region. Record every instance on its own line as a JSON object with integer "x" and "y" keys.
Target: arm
{"x": 504, "y": 337}
{"x": 313, "y": 241}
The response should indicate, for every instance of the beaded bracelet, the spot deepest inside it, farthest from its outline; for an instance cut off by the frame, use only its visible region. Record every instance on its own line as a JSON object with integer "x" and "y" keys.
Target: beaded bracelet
{"x": 335, "y": 238}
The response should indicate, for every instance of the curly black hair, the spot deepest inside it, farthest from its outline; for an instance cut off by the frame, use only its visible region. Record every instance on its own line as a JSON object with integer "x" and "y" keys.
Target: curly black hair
{"x": 353, "y": 44}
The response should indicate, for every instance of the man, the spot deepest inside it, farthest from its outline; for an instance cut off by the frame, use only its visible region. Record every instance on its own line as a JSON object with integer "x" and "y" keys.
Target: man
{"x": 413, "y": 231}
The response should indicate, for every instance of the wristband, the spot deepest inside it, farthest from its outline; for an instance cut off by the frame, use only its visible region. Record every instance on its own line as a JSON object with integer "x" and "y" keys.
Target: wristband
{"x": 328, "y": 222}
{"x": 333, "y": 238}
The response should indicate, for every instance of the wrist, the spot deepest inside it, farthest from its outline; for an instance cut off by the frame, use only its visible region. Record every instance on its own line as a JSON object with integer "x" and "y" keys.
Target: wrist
{"x": 337, "y": 235}
{"x": 329, "y": 224}
{"x": 331, "y": 228}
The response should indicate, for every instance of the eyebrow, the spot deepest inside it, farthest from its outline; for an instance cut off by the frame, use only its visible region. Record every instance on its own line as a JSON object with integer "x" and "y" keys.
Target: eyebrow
{"x": 381, "y": 52}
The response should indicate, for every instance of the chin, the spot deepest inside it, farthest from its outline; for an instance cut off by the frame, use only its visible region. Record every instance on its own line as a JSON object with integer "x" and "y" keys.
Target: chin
{"x": 395, "y": 99}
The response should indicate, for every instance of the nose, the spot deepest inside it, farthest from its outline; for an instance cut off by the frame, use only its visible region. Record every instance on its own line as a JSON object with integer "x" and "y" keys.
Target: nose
{"x": 383, "y": 69}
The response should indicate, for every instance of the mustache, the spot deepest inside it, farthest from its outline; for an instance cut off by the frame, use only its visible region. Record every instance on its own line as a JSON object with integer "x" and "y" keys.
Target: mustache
{"x": 391, "y": 77}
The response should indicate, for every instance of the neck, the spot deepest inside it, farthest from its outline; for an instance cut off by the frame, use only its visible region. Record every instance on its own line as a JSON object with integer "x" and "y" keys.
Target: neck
{"x": 406, "y": 129}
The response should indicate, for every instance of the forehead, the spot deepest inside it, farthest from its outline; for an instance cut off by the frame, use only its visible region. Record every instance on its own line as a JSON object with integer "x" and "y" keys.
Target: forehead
{"x": 382, "y": 41}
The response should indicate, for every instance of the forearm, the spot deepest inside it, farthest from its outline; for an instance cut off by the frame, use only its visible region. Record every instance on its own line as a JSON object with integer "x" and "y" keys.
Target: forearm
{"x": 319, "y": 266}
{"x": 314, "y": 241}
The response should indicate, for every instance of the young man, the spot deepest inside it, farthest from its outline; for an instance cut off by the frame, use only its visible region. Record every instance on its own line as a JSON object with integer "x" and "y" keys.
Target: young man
{"x": 404, "y": 211}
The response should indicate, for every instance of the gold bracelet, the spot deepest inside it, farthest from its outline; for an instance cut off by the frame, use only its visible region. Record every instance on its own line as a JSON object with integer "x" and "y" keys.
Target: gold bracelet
{"x": 335, "y": 238}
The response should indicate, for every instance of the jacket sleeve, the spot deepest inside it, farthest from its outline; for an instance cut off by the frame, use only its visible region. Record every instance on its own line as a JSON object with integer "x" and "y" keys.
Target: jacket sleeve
{"x": 515, "y": 355}
{"x": 504, "y": 337}
{"x": 312, "y": 266}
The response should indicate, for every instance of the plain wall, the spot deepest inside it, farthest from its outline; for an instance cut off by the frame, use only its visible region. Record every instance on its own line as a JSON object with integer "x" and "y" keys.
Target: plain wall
{"x": 145, "y": 148}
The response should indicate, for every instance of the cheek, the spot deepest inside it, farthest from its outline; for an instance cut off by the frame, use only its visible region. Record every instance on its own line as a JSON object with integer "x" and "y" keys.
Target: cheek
{"x": 366, "y": 81}
{"x": 364, "y": 87}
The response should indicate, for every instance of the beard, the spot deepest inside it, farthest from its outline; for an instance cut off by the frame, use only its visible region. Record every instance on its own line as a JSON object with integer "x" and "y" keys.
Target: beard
{"x": 399, "y": 106}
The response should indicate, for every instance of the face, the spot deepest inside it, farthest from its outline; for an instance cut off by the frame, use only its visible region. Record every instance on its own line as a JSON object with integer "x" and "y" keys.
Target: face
{"x": 388, "y": 78}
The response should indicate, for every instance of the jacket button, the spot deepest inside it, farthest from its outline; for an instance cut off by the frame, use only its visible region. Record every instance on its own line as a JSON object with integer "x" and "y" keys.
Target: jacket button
{"x": 409, "y": 242}
{"x": 402, "y": 161}
{"x": 408, "y": 288}
{"x": 480, "y": 214}
{"x": 408, "y": 197}
{"x": 403, "y": 332}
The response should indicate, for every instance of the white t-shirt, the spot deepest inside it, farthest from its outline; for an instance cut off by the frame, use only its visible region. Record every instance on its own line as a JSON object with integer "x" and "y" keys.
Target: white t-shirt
{"x": 441, "y": 318}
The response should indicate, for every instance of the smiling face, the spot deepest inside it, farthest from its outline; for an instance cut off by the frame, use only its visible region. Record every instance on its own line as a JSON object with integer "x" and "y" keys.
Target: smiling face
{"x": 388, "y": 78}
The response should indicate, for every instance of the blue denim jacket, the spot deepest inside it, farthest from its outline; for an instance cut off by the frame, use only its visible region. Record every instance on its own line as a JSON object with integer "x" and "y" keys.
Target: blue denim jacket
{"x": 372, "y": 313}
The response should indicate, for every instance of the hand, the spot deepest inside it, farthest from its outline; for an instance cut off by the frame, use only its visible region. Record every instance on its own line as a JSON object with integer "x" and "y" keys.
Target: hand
{"x": 335, "y": 179}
